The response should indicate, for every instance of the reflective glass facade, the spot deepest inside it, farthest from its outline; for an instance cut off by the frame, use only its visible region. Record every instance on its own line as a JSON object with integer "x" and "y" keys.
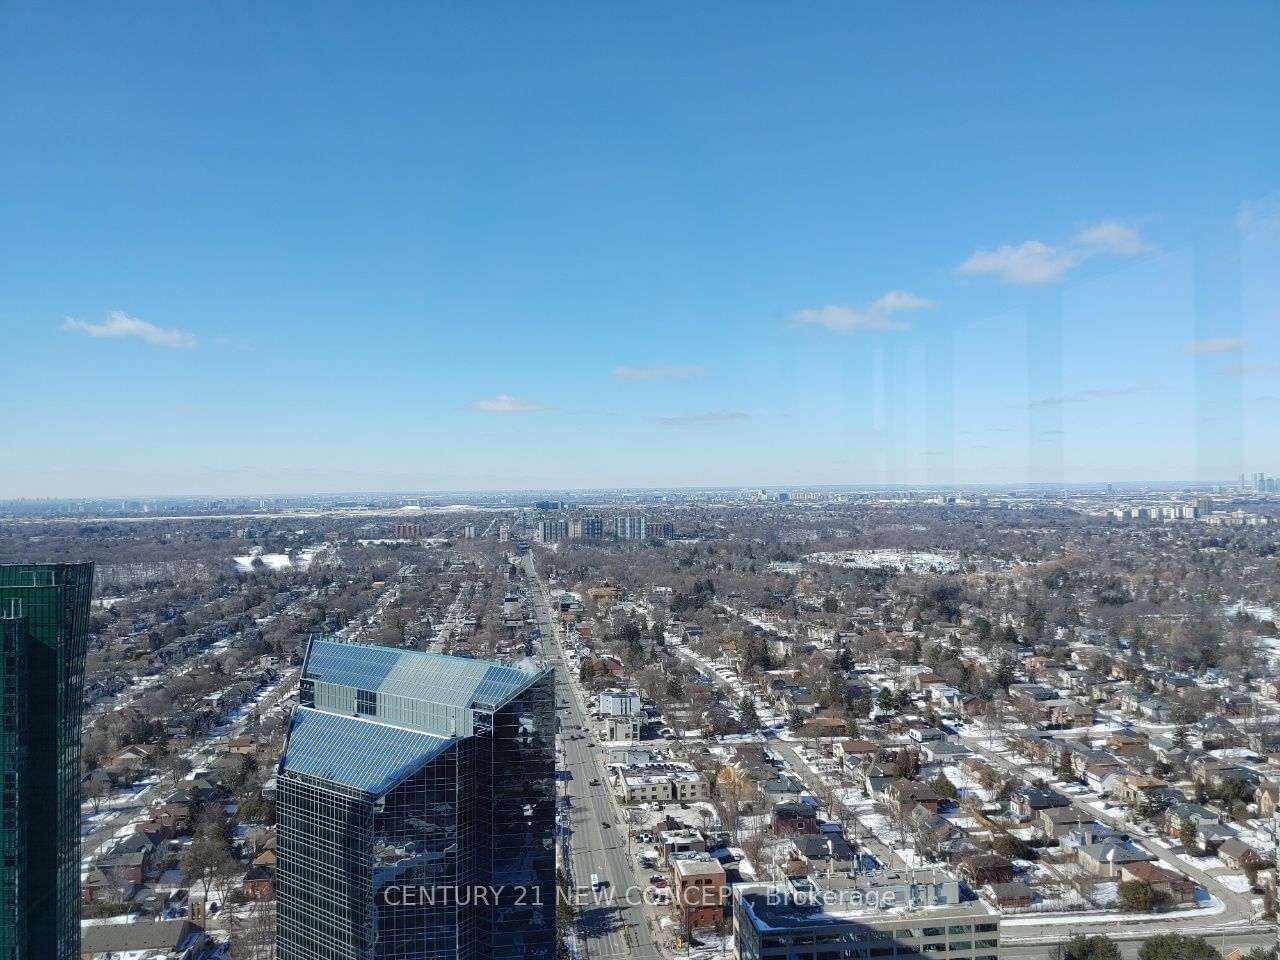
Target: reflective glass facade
{"x": 44, "y": 626}
{"x": 415, "y": 805}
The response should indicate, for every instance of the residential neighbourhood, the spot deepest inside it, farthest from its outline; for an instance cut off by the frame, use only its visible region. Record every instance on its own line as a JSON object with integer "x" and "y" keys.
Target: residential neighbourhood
{"x": 1056, "y": 733}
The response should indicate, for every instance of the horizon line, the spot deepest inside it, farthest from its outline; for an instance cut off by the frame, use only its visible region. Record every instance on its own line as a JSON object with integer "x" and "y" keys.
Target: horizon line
{"x": 887, "y": 486}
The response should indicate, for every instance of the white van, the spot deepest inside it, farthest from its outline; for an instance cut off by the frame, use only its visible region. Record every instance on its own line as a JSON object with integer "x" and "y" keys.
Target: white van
{"x": 595, "y": 882}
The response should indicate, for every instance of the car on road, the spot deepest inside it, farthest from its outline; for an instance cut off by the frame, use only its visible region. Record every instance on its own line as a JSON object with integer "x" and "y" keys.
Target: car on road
{"x": 595, "y": 882}
{"x": 606, "y": 824}
{"x": 593, "y": 782}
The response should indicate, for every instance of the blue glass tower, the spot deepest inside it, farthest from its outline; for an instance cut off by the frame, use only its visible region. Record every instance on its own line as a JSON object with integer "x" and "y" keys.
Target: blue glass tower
{"x": 415, "y": 804}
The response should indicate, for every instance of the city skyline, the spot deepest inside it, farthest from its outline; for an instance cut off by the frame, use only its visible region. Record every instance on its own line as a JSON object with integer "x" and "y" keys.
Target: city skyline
{"x": 268, "y": 251}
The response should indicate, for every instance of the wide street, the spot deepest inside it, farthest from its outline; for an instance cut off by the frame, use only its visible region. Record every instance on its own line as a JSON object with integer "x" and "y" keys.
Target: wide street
{"x": 612, "y": 921}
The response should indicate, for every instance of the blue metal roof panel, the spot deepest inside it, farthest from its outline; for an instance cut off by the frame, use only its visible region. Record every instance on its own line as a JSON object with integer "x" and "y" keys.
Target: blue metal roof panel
{"x": 358, "y": 753}
{"x": 431, "y": 677}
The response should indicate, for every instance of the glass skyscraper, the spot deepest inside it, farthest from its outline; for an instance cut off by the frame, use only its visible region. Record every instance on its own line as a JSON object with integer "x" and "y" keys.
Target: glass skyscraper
{"x": 415, "y": 806}
{"x": 44, "y": 628}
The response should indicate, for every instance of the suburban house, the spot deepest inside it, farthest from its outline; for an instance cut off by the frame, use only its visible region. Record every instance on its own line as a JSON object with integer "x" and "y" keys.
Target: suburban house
{"x": 1057, "y": 822}
{"x": 1012, "y": 894}
{"x": 902, "y": 795}
{"x": 1184, "y": 813}
{"x": 1179, "y": 888}
{"x": 1109, "y": 856}
{"x": 1235, "y": 853}
{"x": 791, "y": 816}
{"x": 1026, "y": 802}
{"x": 162, "y": 940}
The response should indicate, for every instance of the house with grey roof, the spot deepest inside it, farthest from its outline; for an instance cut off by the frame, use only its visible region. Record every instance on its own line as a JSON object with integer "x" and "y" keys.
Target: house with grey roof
{"x": 161, "y": 940}
{"x": 1106, "y": 858}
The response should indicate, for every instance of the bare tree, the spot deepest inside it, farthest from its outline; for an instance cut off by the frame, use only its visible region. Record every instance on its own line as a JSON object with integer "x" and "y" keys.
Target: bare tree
{"x": 205, "y": 861}
{"x": 96, "y": 791}
{"x": 175, "y": 767}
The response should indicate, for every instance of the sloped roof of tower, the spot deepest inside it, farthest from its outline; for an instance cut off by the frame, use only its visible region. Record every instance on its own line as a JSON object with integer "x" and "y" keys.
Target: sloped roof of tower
{"x": 430, "y": 677}
{"x": 361, "y": 754}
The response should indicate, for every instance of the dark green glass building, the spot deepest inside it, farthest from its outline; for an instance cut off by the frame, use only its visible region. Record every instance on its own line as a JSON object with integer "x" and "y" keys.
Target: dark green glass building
{"x": 44, "y": 627}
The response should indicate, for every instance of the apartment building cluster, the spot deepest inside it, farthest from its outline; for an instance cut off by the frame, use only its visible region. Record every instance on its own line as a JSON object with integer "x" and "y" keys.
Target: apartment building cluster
{"x": 1203, "y": 510}
{"x": 628, "y": 527}
{"x": 1259, "y": 483}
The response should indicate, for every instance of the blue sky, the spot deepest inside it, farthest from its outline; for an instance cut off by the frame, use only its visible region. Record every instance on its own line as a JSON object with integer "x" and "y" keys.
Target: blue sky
{"x": 315, "y": 247}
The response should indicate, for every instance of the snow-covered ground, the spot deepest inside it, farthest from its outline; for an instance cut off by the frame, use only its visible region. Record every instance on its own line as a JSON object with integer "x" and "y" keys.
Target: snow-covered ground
{"x": 1235, "y": 882}
{"x": 918, "y": 561}
{"x": 1202, "y": 863}
{"x": 1206, "y": 905}
{"x": 1258, "y": 611}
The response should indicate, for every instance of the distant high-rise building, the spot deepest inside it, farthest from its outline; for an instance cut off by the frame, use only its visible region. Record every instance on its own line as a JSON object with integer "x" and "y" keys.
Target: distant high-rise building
{"x": 410, "y": 531}
{"x": 553, "y": 531}
{"x": 807, "y": 496}
{"x": 504, "y": 533}
{"x": 44, "y": 629}
{"x": 629, "y": 528}
{"x": 666, "y": 530}
{"x": 416, "y": 809}
{"x": 469, "y": 531}
{"x": 582, "y": 528}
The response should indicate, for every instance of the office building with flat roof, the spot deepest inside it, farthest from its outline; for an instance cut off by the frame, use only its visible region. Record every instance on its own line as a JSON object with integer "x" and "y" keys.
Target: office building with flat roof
{"x": 416, "y": 809}
{"x": 910, "y": 914}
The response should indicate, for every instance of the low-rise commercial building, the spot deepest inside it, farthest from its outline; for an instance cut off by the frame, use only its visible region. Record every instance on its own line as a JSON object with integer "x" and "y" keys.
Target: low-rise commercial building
{"x": 663, "y": 787}
{"x": 882, "y": 914}
{"x": 701, "y": 889}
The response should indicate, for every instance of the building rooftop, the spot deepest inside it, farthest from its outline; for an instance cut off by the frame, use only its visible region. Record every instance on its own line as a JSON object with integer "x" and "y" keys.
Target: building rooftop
{"x": 802, "y": 902}
{"x": 361, "y": 754}
{"x": 126, "y": 939}
{"x": 429, "y": 692}
{"x": 453, "y": 681}
{"x": 701, "y": 866}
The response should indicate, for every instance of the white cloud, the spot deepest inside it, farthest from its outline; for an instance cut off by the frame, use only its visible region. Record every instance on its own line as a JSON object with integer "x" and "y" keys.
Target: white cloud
{"x": 504, "y": 403}
{"x": 896, "y": 300}
{"x": 1028, "y": 262}
{"x": 119, "y": 324}
{"x": 878, "y": 315}
{"x": 1111, "y": 236}
{"x": 658, "y": 373}
{"x": 716, "y": 416}
{"x": 1214, "y": 345}
{"x": 1034, "y": 261}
